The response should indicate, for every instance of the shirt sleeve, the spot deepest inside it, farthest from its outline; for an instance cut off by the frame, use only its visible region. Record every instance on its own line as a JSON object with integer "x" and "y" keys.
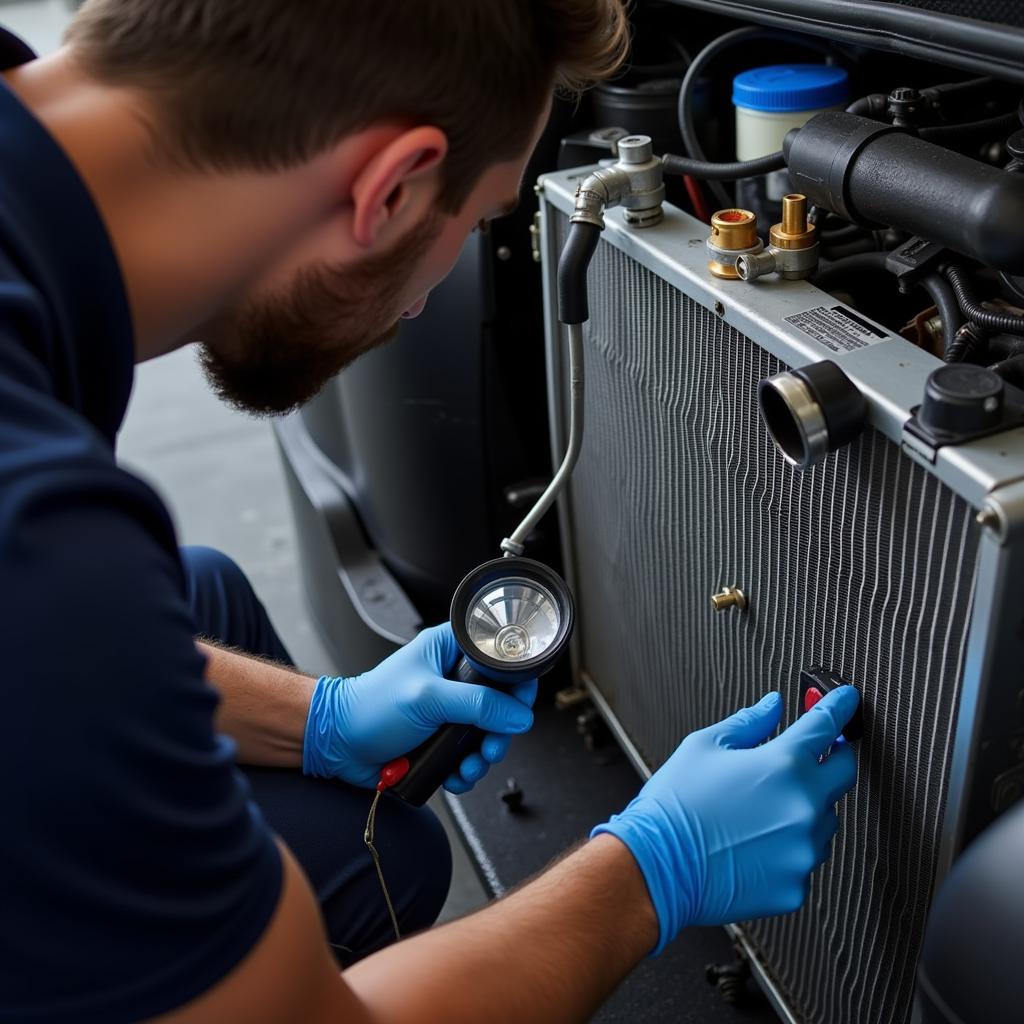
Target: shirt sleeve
{"x": 135, "y": 871}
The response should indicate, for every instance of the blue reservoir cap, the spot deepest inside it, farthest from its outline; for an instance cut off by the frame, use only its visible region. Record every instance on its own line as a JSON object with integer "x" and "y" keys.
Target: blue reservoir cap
{"x": 782, "y": 88}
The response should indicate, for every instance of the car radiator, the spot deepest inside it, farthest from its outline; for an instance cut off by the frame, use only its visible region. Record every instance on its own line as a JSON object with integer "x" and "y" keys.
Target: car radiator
{"x": 867, "y": 564}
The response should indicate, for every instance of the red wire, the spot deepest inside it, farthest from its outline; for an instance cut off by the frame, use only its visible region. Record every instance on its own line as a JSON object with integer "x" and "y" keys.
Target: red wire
{"x": 697, "y": 198}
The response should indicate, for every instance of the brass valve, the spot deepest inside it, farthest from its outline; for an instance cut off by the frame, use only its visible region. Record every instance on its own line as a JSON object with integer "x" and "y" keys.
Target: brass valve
{"x": 792, "y": 245}
{"x": 733, "y": 234}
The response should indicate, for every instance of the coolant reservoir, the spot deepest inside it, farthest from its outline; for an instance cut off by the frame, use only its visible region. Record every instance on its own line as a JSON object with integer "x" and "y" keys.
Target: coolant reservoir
{"x": 769, "y": 102}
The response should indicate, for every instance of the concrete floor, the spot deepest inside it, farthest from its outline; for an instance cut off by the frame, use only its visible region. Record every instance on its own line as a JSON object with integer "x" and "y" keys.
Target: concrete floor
{"x": 219, "y": 473}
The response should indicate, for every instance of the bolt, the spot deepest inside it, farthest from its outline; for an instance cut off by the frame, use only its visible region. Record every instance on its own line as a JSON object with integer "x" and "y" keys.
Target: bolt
{"x": 988, "y": 517}
{"x": 503, "y": 252}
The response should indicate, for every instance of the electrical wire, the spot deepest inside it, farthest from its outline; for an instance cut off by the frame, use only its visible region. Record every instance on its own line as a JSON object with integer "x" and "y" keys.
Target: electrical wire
{"x": 974, "y": 310}
{"x": 684, "y": 106}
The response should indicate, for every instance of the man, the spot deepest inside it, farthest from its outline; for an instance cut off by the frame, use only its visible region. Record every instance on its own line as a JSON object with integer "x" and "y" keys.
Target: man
{"x": 281, "y": 182}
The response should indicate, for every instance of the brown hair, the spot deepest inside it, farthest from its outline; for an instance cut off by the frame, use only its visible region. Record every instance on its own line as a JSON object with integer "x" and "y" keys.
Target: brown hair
{"x": 268, "y": 84}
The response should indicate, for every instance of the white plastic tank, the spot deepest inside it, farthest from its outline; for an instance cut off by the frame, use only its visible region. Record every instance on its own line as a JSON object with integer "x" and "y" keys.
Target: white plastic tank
{"x": 770, "y": 101}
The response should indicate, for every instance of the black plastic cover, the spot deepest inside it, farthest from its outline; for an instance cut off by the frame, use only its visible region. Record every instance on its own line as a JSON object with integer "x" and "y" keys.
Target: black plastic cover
{"x": 970, "y": 969}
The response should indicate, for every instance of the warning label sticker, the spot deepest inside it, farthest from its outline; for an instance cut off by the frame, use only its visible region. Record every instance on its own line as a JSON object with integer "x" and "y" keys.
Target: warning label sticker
{"x": 837, "y": 328}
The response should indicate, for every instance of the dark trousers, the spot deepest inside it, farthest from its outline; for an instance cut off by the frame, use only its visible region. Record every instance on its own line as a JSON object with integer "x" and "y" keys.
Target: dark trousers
{"x": 322, "y": 822}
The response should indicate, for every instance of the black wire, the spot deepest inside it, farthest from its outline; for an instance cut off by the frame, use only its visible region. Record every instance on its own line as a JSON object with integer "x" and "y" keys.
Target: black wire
{"x": 942, "y": 296}
{"x": 974, "y": 311}
{"x": 723, "y": 172}
{"x": 684, "y": 107}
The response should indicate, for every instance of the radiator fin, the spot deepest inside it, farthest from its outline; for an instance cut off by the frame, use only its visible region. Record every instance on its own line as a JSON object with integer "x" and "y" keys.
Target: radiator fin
{"x": 864, "y": 564}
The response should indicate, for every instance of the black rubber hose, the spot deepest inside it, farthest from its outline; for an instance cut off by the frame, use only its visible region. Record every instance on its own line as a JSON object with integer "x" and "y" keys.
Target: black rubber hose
{"x": 852, "y": 266}
{"x": 845, "y": 233}
{"x": 572, "y": 273}
{"x": 687, "y": 129}
{"x": 833, "y": 251}
{"x": 723, "y": 172}
{"x": 942, "y": 296}
{"x": 973, "y": 310}
{"x": 957, "y": 136}
{"x": 1011, "y": 370}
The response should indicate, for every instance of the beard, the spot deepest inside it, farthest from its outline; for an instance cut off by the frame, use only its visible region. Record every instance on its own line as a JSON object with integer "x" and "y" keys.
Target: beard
{"x": 272, "y": 354}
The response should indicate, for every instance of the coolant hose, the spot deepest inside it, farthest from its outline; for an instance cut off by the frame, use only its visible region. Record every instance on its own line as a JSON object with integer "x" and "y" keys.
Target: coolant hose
{"x": 874, "y": 174}
{"x": 973, "y": 310}
{"x": 839, "y": 273}
{"x": 572, "y": 272}
{"x": 723, "y": 172}
{"x": 945, "y": 302}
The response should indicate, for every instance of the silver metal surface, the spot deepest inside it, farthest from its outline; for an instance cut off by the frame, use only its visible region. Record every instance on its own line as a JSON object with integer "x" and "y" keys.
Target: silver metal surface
{"x": 868, "y": 563}
{"x": 789, "y": 264}
{"x": 890, "y": 373}
{"x": 513, "y": 619}
{"x": 515, "y": 545}
{"x": 635, "y": 182}
{"x": 805, "y": 414}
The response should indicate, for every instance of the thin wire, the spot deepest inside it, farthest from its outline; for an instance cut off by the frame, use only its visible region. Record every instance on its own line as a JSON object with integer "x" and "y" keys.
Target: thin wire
{"x": 371, "y": 821}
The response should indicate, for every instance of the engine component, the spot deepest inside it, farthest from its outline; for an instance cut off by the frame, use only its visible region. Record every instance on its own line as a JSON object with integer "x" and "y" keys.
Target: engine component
{"x": 635, "y": 182}
{"x": 733, "y": 234}
{"x": 875, "y": 174}
{"x": 963, "y": 402}
{"x": 792, "y": 250}
{"x": 769, "y": 102}
{"x": 811, "y": 411}
{"x": 873, "y": 563}
{"x": 729, "y": 597}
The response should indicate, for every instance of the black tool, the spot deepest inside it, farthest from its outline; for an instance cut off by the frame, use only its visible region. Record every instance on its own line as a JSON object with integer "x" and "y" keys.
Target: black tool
{"x": 512, "y": 618}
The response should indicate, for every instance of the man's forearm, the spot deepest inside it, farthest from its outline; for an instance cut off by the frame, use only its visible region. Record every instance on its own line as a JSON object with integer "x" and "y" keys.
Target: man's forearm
{"x": 263, "y": 706}
{"x": 551, "y": 952}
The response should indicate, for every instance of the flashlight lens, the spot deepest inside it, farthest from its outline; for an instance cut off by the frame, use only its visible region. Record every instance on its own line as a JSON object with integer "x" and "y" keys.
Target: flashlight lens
{"x": 513, "y": 620}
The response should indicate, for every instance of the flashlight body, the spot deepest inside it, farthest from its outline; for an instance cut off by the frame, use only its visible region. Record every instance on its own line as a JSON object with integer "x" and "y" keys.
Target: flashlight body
{"x": 436, "y": 758}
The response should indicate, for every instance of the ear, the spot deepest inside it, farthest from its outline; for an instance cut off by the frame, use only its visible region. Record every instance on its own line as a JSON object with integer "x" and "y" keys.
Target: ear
{"x": 394, "y": 182}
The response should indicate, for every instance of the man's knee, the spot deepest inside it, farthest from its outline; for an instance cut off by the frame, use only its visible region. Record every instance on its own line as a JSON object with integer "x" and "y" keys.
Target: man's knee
{"x": 210, "y": 572}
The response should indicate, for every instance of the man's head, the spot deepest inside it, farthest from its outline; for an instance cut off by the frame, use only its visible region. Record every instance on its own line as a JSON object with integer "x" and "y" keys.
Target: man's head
{"x": 418, "y": 116}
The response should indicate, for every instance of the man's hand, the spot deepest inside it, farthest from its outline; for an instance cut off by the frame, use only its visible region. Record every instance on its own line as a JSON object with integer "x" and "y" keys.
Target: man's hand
{"x": 727, "y": 830}
{"x": 356, "y": 725}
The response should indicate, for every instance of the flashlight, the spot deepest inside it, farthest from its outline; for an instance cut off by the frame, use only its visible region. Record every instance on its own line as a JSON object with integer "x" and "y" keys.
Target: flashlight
{"x": 512, "y": 618}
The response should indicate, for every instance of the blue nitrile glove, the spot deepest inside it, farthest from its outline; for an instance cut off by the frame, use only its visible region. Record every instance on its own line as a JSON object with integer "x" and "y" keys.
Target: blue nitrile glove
{"x": 356, "y": 725}
{"x": 727, "y": 830}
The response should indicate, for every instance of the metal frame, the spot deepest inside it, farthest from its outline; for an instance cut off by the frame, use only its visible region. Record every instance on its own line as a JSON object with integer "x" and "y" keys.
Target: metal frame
{"x": 988, "y": 474}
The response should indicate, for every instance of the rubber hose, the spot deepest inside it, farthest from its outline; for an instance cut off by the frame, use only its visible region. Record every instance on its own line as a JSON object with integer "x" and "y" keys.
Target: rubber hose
{"x": 973, "y": 310}
{"x": 691, "y": 144}
{"x": 954, "y": 136}
{"x": 832, "y": 251}
{"x": 1011, "y": 370}
{"x": 942, "y": 296}
{"x": 846, "y": 233}
{"x": 572, "y": 273}
{"x": 852, "y": 266}
{"x": 723, "y": 172}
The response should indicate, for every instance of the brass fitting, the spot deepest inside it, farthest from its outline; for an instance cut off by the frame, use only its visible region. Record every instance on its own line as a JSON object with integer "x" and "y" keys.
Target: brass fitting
{"x": 793, "y": 232}
{"x": 792, "y": 250}
{"x": 728, "y": 597}
{"x": 733, "y": 234}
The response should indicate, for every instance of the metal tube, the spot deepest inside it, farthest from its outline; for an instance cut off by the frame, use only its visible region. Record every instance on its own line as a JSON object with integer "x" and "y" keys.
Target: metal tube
{"x": 515, "y": 545}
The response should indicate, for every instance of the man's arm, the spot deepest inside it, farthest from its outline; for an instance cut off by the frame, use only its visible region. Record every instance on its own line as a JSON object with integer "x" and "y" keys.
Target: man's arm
{"x": 550, "y": 952}
{"x": 349, "y": 728}
{"x": 263, "y": 706}
{"x": 729, "y": 828}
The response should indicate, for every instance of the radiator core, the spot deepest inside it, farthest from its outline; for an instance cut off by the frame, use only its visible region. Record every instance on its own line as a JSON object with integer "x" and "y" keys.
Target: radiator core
{"x": 864, "y": 564}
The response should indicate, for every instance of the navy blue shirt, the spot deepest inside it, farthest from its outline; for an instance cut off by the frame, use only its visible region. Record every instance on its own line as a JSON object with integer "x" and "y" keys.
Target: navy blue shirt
{"x": 135, "y": 872}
